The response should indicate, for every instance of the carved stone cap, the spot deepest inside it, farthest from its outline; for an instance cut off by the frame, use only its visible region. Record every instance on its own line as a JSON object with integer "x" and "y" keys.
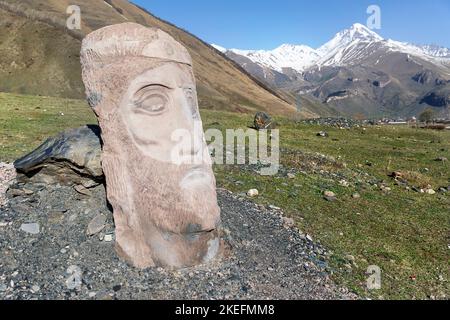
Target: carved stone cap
{"x": 128, "y": 40}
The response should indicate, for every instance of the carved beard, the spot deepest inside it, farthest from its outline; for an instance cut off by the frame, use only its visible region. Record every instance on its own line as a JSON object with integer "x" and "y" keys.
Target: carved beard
{"x": 156, "y": 219}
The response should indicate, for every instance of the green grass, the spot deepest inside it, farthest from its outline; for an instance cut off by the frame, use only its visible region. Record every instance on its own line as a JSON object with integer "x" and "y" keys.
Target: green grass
{"x": 403, "y": 232}
{"x": 26, "y": 121}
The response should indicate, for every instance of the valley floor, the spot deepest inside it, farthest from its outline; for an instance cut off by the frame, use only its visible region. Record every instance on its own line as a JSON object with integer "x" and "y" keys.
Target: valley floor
{"x": 374, "y": 220}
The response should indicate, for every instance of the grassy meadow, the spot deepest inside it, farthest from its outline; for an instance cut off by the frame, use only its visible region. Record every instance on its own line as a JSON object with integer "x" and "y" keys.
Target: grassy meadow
{"x": 405, "y": 233}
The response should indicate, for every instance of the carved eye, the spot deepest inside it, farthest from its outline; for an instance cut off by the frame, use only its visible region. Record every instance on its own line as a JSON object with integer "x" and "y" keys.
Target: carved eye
{"x": 152, "y": 100}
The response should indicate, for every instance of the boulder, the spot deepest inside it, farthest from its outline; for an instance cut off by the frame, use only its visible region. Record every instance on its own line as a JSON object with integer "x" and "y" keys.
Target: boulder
{"x": 263, "y": 121}
{"x": 73, "y": 157}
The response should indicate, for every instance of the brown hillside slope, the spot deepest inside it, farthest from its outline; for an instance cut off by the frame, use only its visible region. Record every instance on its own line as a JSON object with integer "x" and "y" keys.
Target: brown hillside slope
{"x": 38, "y": 55}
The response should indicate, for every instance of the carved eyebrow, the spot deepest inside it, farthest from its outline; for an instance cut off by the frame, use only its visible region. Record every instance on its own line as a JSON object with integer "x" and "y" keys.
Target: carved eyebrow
{"x": 154, "y": 86}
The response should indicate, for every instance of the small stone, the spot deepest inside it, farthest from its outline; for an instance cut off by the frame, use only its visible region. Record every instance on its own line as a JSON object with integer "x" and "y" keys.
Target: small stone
{"x": 330, "y": 194}
{"x": 96, "y": 225}
{"x": 356, "y": 196}
{"x": 74, "y": 281}
{"x": 288, "y": 222}
{"x": 117, "y": 288}
{"x": 16, "y": 192}
{"x": 253, "y": 193}
{"x": 92, "y": 294}
{"x": 344, "y": 183}
{"x": 28, "y": 192}
{"x": 322, "y": 134}
{"x": 430, "y": 191}
{"x": 309, "y": 238}
{"x": 108, "y": 238}
{"x": 31, "y": 228}
{"x": 441, "y": 159}
{"x": 35, "y": 288}
{"x": 82, "y": 190}
{"x": 442, "y": 190}
{"x": 350, "y": 258}
{"x": 3, "y": 287}
{"x": 396, "y": 174}
{"x": 291, "y": 176}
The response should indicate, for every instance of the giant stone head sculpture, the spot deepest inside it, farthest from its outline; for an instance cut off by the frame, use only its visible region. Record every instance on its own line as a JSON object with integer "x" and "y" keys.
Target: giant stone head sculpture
{"x": 140, "y": 83}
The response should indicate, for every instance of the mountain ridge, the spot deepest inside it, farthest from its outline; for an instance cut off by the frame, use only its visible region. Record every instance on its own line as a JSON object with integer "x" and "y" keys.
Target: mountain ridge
{"x": 282, "y": 56}
{"x": 358, "y": 72}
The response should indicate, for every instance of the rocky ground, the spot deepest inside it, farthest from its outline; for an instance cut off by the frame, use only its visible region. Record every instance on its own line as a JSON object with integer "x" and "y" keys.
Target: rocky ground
{"x": 343, "y": 123}
{"x": 46, "y": 253}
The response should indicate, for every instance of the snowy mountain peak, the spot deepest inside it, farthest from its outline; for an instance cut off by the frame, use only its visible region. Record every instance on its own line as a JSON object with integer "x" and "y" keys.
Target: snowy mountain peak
{"x": 356, "y": 33}
{"x": 292, "y": 48}
{"x": 292, "y": 56}
{"x": 359, "y": 31}
{"x": 347, "y": 47}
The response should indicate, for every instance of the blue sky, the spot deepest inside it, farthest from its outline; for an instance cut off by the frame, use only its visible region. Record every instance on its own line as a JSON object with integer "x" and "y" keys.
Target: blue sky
{"x": 266, "y": 24}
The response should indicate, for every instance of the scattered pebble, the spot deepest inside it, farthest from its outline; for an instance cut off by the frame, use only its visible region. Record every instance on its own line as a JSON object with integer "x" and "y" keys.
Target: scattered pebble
{"x": 288, "y": 222}
{"x": 74, "y": 281}
{"x": 329, "y": 196}
{"x": 253, "y": 193}
{"x": 344, "y": 183}
{"x": 96, "y": 225}
{"x": 31, "y": 228}
{"x": 356, "y": 196}
{"x": 322, "y": 134}
{"x": 82, "y": 190}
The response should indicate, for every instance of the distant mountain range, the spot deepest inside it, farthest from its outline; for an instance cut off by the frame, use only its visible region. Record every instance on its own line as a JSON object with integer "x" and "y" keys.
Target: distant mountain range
{"x": 357, "y": 72}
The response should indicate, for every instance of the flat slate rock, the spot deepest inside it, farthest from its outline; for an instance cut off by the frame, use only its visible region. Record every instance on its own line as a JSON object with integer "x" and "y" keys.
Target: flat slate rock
{"x": 264, "y": 258}
{"x": 72, "y": 157}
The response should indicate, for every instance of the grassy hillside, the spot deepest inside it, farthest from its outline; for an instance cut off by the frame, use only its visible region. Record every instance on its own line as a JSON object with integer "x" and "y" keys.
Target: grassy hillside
{"x": 40, "y": 56}
{"x": 406, "y": 233}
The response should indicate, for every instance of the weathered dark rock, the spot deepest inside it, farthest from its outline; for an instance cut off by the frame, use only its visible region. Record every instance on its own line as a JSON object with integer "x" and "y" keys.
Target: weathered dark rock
{"x": 263, "y": 121}
{"x": 73, "y": 157}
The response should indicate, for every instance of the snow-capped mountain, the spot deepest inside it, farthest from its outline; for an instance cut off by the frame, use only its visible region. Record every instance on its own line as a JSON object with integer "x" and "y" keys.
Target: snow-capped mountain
{"x": 296, "y": 57}
{"x": 356, "y": 72}
{"x": 334, "y": 51}
{"x": 349, "y": 46}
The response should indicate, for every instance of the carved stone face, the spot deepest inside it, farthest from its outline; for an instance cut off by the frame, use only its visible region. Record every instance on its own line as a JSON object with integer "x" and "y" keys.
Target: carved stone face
{"x": 165, "y": 211}
{"x": 158, "y": 102}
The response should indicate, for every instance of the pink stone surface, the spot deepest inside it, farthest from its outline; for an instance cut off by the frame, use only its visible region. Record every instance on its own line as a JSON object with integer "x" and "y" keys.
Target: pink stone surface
{"x": 140, "y": 83}
{"x": 7, "y": 175}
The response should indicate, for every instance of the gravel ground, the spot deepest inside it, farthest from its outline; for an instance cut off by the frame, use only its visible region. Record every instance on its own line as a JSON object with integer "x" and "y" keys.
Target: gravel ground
{"x": 45, "y": 253}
